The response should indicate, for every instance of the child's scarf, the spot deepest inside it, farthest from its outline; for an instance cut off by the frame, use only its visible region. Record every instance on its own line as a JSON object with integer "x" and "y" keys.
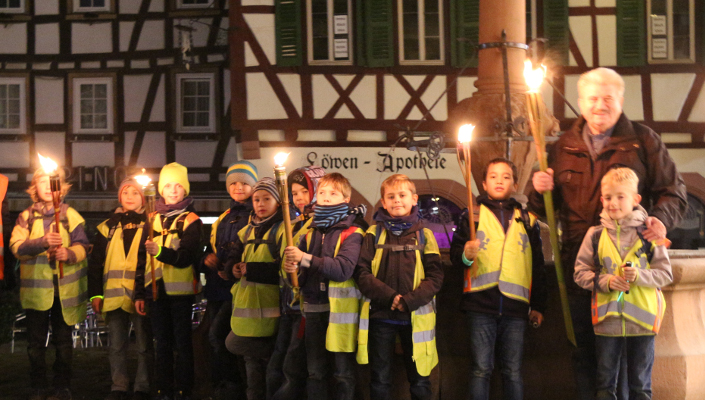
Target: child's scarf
{"x": 397, "y": 225}
{"x": 326, "y": 216}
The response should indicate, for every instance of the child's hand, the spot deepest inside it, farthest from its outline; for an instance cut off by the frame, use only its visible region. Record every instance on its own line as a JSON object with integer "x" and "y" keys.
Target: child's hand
{"x": 398, "y": 304}
{"x": 151, "y": 247}
{"x": 618, "y": 283}
{"x": 472, "y": 247}
{"x": 290, "y": 267}
{"x": 223, "y": 275}
{"x": 536, "y": 318}
{"x": 97, "y": 304}
{"x": 239, "y": 270}
{"x": 543, "y": 181}
{"x": 139, "y": 306}
{"x": 61, "y": 254}
{"x": 211, "y": 261}
{"x": 293, "y": 254}
{"x": 630, "y": 273}
{"x": 51, "y": 239}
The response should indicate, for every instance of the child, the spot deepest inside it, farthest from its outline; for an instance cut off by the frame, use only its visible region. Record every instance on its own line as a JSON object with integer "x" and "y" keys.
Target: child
{"x": 256, "y": 261}
{"x": 45, "y": 296}
{"x": 117, "y": 249}
{"x": 286, "y": 371}
{"x": 240, "y": 178}
{"x": 625, "y": 273}
{"x": 504, "y": 285}
{"x": 399, "y": 273}
{"x": 327, "y": 256}
{"x": 176, "y": 248}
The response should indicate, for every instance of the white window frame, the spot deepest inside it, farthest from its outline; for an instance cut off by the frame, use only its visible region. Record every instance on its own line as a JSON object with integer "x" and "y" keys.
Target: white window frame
{"x": 422, "y": 34}
{"x": 331, "y": 36}
{"x": 22, "y": 82}
{"x": 15, "y": 10}
{"x": 669, "y": 35}
{"x": 180, "y": 5}
{"x": 76, "y": 105}
{"x": 106, "y": 8}
{"x": 180, "y": 128}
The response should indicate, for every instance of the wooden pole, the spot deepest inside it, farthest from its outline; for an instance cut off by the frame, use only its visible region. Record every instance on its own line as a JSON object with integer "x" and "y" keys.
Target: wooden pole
{"x": 149, "y": 194}
{"x": 280, "y": 174}
{"x": 55, "y": 186}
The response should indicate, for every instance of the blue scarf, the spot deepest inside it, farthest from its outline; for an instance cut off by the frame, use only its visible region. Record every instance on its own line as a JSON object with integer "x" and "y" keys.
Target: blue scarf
{"x": 327, "y": 216}
{"x": 397, "y": 225}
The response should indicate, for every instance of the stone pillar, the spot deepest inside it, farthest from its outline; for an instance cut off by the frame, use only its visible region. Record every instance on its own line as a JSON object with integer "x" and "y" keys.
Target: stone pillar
{"x": 679, "y": 367}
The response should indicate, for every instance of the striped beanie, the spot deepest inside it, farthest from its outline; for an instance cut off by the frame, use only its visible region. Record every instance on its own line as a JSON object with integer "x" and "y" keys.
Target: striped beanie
{"x": 241, "y": 171}
{"x": 174, "y": 173}
{"x": 270, "y": 185}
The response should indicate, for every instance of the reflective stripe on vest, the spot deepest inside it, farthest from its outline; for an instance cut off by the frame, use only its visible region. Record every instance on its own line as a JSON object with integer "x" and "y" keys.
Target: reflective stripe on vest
{"x": 644, "y": 306}
{"x": 423, "y": 320}
{"x": 503, "y": 260}
{"x": 119, "y": 269}
{"x": 177, "y": 281}
{"x": 37, "y": 274}
{"x": 256, "y": 305}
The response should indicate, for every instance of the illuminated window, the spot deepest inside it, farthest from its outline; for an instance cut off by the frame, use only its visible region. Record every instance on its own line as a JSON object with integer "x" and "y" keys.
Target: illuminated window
{"x": 671, "y": 31}
{"x": 420, "y": 31}
{"x": 329, "y": 29}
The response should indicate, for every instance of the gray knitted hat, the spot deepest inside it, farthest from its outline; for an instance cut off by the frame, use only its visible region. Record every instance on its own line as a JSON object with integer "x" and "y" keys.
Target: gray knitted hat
{"x": 270, "y": 185}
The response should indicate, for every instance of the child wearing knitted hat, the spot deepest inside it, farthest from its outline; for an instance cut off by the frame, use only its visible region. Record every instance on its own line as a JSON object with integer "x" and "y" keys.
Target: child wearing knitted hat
{"x": 256, "y": 260}
{"x": 176, "y": 248}
{"x": 45, "y": 296}
{"x": 118, "y": 247}
{"x": 240, "y": 179}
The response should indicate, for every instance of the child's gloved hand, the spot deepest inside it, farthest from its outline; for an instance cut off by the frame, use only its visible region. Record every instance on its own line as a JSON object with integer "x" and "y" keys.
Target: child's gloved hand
{"x": 619, "y": 283}
{"x": 51, "y": 239}
{"x": 630, "y": 273}
{"x": 472, "y": 247}
{"x": 293, "y": 254}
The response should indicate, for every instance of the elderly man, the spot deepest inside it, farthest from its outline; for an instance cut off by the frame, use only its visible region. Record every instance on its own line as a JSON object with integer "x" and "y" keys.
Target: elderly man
{"x": 601, "y": 139}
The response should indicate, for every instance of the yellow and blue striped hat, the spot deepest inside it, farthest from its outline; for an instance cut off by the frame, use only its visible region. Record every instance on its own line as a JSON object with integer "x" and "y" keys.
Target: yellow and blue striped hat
{"x": 241, "y": 171}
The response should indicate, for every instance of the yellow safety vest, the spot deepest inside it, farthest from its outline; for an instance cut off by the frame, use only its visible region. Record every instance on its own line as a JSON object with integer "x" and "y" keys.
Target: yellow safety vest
{"x": 256, "y": 305}
{"x": 36, "y": 274}
{"x": 119, "y": 269}
{"x": 177, "y": 281}
{"x": 344, "y": 300}
{"x": 423, "y": 320}
{"x": 503, "y": 259}
{"x": 644, "y": 306}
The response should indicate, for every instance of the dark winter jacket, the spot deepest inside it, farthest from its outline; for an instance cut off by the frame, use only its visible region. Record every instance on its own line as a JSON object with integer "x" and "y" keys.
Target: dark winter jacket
{"x": 492, "y": 301}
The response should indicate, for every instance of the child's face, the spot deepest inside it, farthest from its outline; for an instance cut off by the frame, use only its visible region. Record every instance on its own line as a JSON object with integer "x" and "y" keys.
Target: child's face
{"x": 300, "y": 195}
{"x": 328, "y": 195}
{"x": 619, "y": 200}
{"x": 240, "y": 191}
{"x": 264, "y": 203}
{"x": 173, "y": 193}
{"x": 130, "y": 198}
{"x": 499, "y": 182}
{"x": 398, "y": 200}
{"x": 44, "y": 189}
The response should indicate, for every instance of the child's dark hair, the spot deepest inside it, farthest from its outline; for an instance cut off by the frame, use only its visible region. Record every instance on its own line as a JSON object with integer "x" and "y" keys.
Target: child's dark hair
{"x": 499, "y": 160}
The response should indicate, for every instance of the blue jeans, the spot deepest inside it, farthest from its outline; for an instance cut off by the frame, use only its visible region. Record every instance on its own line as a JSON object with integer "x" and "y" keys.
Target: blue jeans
{"x": 119, "y": 326}
{"x": 382, "y": 340}
{"x": 485, "y": 331}
{"x": 640, "y": 357}
{"x": 321, "y": 362}
{"x": 286, "y": 371}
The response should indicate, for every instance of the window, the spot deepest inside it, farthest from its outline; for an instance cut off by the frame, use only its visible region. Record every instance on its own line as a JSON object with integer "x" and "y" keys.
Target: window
{"x": 12, "y": 105}
{"x": 12, "y": 6}
{"x": 194, "y": 3}
{"x": 195, "y": 95}
{"x": 329, "y": 28}
{"x": 93, "y": 105}
{"x": 671, "y": 31}
{"x": 420, "y": 27}
{"x": 91, "y": 5}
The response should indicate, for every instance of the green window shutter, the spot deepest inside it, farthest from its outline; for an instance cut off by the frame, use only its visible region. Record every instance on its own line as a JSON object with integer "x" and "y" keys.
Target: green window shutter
{"x": 464, "y": 32}
{"x": 360, "y": 34}
{"x": 288, "y": 32}
{"x": 556, "y": 28}
{"x": 631, "y": 36}
{"x": 379, "y": 33}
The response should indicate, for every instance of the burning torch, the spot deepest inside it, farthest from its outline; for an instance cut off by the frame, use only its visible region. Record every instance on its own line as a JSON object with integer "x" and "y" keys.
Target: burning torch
{"x": 52, "y": 169}
{"x": 280, "y": 176}
{"x": 464, "y": 157}
{"x": 149, "y": 195}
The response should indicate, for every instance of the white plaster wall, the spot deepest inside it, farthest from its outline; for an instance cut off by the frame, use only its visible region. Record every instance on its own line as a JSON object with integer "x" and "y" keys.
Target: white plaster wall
{"x": 698, "y": 112}
{"x": 262, "y": 26}
{"x": 365, "y": 97}
{"x": 158, "y": 109}
{"x": 49, "y": 103}
{"x": 465, "y": 86}
{"x": 323, "y": 96}
{"x": 262, "y": 102}
{"x": 257, "y": 2}
{"x": 46, "y": 7}
{"x": 292, "y": 86}
{"x": 126, "y": 28}
{"x": 578, "y": 3}
{"x": 13, "y": 38}
{"x": 156, "y": 6}
{"x": 49, "y": 144}
{"x": 633, "y": 100}
{"x": 130, "y": 6}
{"x": 15, "y": 155}
{"x": 435, "y": 91}
{"x": 367, "y": 136}
{"x": 129, "y": 143}
{"x": 668, "y": 94}
{"x": 581, "y": 27}
{"x": 271, "y": 135}
{"x": 230, "y": 156}
{"x": 571, "y": 94}
{"x": 93, "y": 154}
{"x": 195, "y": 154}
{"x": 136, "y": 87}
{"x": 607, "y": 39}
{"x": 395, "y": 97}
{"x": 689, "y": 160}
{"x": 46, "y": 39}
{"x": 605, "y": 3}
{"x": 199, "y": 36}
{"x": 305, "y": 135}
{"x": 152, "y": 36}
{"x": 153, "y": 154}
{"x": 91, "y": 38}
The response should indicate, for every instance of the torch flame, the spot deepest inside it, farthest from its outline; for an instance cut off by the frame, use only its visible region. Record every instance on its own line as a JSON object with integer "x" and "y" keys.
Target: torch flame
{"x": 534, "y": 77}
{"x": 143, "y": 179}
{"x": 465, "y": 133}
{"x": 280, "y": 158}
{"x": 48, "y": 165}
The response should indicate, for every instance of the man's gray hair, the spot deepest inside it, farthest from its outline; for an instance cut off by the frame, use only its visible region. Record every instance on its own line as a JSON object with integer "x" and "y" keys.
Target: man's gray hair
{"x": 601, "y": 76}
